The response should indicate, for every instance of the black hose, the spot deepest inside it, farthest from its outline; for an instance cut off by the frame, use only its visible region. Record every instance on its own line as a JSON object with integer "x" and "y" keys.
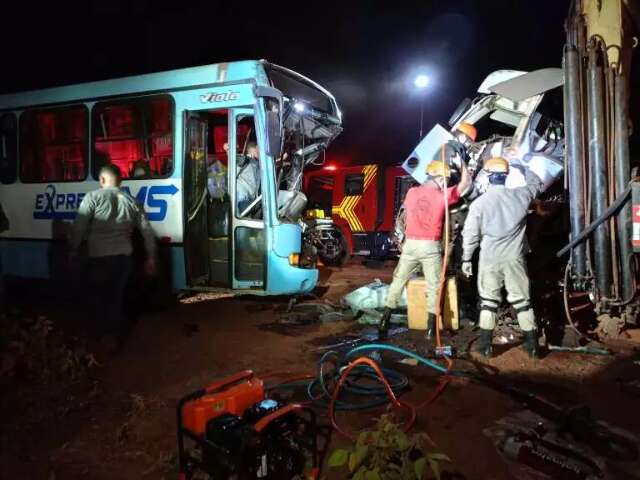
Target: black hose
{"x": 621, "y": 200}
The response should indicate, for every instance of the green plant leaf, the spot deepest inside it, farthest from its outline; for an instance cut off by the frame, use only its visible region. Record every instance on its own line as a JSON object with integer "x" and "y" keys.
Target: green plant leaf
{"x": 438, "y": 456}
{"x": 435, "y": 468}
{"x": 360, "y": 474}
{"x": 352, "y": 462}
{"x": 363, "y": 438}
{"x": 338, "y": 457}
{"x": 402, "y": 441}
{"x": 419, "y": 467}
{"x": 360, "y": 453}
{"x": 372, "y": 475}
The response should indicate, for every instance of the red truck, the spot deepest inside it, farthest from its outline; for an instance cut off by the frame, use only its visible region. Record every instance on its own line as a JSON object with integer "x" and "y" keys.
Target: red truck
{"x": 359, "y": 205}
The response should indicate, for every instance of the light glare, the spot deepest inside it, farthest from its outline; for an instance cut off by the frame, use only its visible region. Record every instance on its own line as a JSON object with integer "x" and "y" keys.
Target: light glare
{"x": 421, "y": 81}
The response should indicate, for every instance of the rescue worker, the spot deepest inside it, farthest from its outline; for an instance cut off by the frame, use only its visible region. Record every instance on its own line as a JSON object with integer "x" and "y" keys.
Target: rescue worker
{"x": 464, "y": 135}
{"x": 497, "y": 222}
{"x": 107, "y": 217}
{"x": 248, "y": 178}
{"x": 425, "y": 210}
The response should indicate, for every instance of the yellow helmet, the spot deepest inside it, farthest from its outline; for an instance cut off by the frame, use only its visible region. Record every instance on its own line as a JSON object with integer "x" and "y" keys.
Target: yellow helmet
{"x": 497, "y": 165}
{"x": 438, "y": 168}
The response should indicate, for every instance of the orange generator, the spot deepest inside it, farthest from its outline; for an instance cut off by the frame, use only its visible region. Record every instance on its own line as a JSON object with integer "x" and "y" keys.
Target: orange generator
{"x": 230, "y": 430}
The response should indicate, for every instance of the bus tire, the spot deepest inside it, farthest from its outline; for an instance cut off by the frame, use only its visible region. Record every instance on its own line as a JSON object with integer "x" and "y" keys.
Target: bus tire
{"x": 336, "y": 254}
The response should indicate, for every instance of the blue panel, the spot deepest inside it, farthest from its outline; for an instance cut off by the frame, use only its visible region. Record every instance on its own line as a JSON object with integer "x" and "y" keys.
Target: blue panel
{"x": 179, "y": 279}
{"x": 285, "y": 279}
{"x": 287, "y": 239}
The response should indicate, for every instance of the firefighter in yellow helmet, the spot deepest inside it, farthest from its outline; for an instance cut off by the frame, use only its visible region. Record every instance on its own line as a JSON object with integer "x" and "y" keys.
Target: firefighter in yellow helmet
{"x": 496, "y": 222}
{"x": 424, "y": 207}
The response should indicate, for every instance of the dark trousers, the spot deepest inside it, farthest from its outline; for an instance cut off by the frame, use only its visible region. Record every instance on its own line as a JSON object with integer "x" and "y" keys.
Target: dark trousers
{"x": 108, "y": 277}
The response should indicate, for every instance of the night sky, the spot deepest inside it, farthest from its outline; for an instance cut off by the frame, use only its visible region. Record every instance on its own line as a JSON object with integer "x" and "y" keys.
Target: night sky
{"x": 366, "y": 53}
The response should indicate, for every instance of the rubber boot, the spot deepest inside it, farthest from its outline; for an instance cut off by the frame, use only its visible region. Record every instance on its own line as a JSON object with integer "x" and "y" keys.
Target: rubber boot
{"x": 431, "y": 326}
{"x": 383, "y": 327}
{"x": 484, "y": 343}
{"x": 530, "y": 344}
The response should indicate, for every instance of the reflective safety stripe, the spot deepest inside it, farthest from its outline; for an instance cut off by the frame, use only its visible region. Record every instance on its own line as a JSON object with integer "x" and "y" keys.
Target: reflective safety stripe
{"x": 524, "y": 308}
{"x": 488, "y": 308}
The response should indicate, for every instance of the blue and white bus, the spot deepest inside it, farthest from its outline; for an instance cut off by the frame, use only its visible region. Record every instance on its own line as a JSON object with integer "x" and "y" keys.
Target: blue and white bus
{"x": 168, "y": 132}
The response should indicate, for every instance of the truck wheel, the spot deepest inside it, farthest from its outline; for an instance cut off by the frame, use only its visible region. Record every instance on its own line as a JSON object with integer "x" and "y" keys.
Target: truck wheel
{"x": 334, "y": 252}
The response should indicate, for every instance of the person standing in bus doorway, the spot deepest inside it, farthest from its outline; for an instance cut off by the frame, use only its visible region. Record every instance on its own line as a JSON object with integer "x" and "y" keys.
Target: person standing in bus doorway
{"x": 107, "y": 217}
{"x": 425, "y": 209}
{"x": 248, "y": 178}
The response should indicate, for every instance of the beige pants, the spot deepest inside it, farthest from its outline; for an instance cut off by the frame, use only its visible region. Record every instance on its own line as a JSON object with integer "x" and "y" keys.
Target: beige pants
{"x": 415, "y": 253}
{"x": 511, "y": 274}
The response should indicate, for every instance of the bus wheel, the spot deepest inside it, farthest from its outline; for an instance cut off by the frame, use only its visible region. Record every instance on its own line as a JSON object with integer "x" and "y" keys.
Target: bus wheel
{"x": 334, "y": 251}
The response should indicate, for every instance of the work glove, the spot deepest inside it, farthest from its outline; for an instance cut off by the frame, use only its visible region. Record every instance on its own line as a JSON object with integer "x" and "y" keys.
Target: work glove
{"x": 467, "y": 269}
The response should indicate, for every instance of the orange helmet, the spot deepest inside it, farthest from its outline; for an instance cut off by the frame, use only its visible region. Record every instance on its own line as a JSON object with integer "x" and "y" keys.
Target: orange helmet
{"x": 497, "y": 165}
{"x": 438, "y": 168}
{"x": 469, "y": 130}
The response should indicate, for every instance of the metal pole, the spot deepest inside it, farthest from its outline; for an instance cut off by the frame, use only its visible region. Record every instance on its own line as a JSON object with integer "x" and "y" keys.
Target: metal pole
{"x": 575, "y": 153}
{"x": 598, "y": 169}
{"x": 421, "y": 115}
{"x": 623, "y": 175}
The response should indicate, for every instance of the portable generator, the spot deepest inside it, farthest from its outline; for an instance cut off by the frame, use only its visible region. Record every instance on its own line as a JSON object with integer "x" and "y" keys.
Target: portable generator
{"x": 229, "y": 430}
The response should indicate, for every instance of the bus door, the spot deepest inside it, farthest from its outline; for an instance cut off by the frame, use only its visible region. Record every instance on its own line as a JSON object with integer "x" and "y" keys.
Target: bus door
{"x": 195, "y": 199}
{"x": 248, "y": 227}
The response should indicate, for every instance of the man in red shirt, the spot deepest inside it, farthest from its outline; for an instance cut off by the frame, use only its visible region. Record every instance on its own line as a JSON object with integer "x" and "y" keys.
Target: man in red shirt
{"x": 425, "y": 209}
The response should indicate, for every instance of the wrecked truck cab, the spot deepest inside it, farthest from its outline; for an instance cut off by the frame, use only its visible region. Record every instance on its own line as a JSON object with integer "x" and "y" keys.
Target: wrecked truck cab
{"x": 518, "y": 116}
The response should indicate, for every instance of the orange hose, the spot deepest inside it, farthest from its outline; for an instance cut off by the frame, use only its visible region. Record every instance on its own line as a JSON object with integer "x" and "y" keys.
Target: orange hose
{"x": 394, "y": 400}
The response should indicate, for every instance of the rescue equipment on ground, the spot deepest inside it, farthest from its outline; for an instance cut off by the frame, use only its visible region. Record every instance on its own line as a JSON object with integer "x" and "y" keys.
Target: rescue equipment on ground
{"x": 233, "y": 431}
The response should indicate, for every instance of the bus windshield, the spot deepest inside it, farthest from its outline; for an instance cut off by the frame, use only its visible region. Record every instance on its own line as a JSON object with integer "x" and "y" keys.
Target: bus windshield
{"x": 311, "y": 121}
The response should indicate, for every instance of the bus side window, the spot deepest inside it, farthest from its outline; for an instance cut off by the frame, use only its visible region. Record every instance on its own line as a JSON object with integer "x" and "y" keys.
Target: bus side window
{"x": 8, "y": 148}
{"x": 248, "y": 188}
{"x": 53, "y": 144}
{"x": 136, "y": 135}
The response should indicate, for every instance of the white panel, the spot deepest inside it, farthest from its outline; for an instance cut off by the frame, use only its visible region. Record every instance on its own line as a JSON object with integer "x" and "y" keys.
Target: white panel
{"x": 425, "y": 152}
{"x": 45, "y": 211}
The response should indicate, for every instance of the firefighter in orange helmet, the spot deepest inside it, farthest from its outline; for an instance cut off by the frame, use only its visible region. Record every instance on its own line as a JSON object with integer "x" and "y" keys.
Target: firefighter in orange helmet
{"x": 464, "y": 135}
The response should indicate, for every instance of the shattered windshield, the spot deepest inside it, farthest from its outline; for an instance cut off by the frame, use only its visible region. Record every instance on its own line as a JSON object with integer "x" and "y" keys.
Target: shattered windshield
{"x": 311, "y": 121}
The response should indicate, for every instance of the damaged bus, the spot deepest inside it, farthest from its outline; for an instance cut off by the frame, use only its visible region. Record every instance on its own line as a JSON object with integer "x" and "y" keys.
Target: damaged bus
{"x": 181, "y": 140}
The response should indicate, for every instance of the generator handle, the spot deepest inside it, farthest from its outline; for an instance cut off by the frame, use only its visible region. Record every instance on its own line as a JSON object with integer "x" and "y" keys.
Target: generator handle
{"x": 230, "y": 380}
{"x": 263, "y": 422}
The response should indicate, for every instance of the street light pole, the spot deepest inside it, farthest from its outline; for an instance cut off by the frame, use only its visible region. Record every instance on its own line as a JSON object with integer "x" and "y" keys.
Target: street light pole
{"x": 421, "y": 116}
{"x": 421, "y": 83}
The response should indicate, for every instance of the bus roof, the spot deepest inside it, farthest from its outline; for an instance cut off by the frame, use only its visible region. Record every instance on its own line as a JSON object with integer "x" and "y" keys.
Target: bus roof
{"x": 161, "y": 81}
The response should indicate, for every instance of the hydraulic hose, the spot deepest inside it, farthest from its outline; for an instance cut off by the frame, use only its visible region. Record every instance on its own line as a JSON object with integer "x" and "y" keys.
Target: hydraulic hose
{"x": 621, "y": 200}
{"x": 392, "y": 348}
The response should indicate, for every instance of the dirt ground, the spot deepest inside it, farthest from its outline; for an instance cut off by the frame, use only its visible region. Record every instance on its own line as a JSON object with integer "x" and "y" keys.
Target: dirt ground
{"x": 122, "y": 424}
